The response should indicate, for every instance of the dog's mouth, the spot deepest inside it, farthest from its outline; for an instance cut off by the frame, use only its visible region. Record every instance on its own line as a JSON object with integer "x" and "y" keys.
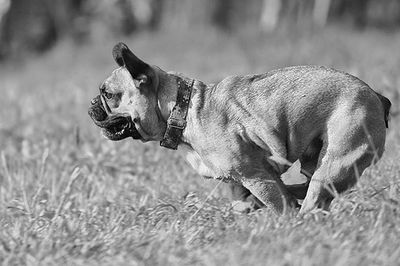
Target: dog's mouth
{"x": 115, "y": 127}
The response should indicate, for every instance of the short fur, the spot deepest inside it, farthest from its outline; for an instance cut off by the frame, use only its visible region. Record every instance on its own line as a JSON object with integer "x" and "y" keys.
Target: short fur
{"x": 241, "y": 128}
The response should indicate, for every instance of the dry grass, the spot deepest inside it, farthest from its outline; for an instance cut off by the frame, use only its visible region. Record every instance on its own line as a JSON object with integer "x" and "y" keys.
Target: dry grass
{"x": 68, "y": 196}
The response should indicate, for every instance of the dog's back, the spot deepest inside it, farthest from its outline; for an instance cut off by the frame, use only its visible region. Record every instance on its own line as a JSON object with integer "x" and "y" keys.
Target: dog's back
{"x": 302, "y": 86}
{"x": 386, "y": 107}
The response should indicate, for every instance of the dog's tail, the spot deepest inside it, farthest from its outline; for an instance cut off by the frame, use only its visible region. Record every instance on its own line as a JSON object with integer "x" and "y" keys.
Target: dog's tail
{"x": 386, "y": 107}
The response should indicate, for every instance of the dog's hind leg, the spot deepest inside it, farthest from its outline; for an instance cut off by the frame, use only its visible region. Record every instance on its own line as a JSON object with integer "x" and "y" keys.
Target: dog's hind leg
{"x": 348, "y": 149}
{"x": 335, "y": 174}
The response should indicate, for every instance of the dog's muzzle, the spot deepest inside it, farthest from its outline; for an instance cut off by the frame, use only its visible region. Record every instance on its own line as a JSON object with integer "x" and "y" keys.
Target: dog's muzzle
{"x": 113, "y": 127}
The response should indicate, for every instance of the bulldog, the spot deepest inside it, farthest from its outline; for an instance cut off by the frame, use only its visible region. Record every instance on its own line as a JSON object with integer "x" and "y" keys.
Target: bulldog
{"x": 247, "y": 130}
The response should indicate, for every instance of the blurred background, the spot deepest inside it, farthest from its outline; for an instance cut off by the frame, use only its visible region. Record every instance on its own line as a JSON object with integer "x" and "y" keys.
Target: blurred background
{"x": 34, "y": 26}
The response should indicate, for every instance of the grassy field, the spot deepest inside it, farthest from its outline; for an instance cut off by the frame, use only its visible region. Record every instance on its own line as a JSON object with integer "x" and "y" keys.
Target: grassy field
{"x": 70, "y": 197}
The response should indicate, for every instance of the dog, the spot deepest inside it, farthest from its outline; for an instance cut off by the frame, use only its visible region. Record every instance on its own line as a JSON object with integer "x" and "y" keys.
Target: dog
{"x": 246, "y": 130}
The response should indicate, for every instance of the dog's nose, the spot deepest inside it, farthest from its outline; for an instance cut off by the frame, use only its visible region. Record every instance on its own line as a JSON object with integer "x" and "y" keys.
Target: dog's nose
{"x": 94, "y": 100}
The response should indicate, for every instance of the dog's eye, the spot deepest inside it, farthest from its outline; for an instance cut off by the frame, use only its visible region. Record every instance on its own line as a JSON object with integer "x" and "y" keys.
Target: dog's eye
{"x": 108, "y": 95}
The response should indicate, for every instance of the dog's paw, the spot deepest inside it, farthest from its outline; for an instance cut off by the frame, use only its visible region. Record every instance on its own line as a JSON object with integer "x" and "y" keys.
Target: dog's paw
{"x": 242, "y": 206}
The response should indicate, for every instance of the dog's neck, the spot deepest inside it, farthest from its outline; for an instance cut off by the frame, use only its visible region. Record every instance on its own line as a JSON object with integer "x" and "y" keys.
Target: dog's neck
{"x": 167, "y": 99}
{"x": 166, "y": 94}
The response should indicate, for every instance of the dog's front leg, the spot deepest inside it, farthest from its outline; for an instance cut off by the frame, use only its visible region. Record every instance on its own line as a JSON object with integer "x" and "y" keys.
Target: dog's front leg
{"x": 242, "y": 199}
{"x": 270, "y": 190}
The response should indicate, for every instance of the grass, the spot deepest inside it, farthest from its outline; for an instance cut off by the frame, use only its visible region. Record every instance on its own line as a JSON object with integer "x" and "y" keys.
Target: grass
{"x": 68, "y": 196}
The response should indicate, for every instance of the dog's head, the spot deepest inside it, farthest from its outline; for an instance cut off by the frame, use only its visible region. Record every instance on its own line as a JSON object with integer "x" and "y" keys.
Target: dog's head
{"x": 127, "y": 103}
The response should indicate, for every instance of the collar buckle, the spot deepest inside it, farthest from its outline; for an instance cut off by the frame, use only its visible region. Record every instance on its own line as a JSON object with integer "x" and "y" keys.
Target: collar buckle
{"x": 176, "y": 123}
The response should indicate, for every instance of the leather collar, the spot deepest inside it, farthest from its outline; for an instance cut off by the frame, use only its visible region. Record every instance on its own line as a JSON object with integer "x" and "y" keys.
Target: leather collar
{"x": 176, "y": 122}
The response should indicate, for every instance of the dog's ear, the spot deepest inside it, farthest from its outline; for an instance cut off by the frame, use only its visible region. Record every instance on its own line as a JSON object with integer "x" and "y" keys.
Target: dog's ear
{"x": 124, "y": 57}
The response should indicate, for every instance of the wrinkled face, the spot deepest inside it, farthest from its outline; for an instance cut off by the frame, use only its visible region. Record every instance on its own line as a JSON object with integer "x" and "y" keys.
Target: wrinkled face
{"x": 127, "y": 103}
